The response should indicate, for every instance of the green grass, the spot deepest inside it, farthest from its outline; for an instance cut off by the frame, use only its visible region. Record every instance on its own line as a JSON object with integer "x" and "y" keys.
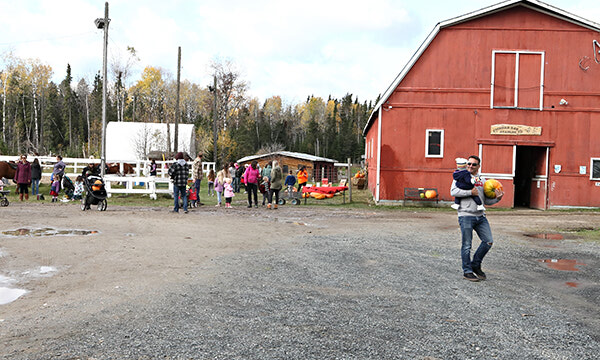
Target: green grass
{"x": 361, "y": 199}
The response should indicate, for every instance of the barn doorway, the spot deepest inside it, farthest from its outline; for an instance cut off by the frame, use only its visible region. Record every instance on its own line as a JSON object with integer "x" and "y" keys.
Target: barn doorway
{"x": 530, "y": 176}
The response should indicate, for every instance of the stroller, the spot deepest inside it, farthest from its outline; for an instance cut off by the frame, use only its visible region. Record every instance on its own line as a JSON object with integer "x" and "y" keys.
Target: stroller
{"x": 68, "y": 186}
{"x": 3, "y": 198}
{"x": 95, "y": 193}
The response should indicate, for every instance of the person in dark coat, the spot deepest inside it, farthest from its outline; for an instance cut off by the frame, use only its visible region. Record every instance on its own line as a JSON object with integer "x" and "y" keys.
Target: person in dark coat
{"x": 23, "y": 177}
{"x": 179, "y": 173}
{"x": 36, "y": 176}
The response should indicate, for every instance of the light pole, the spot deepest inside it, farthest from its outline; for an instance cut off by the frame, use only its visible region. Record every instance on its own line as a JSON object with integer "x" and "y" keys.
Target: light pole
{"x": 102, "y": 23}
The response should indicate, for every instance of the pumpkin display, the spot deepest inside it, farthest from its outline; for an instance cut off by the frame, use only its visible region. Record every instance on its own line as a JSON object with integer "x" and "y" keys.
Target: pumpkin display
{"x": 490, "y": 187}
{"x": 430, "y": 194}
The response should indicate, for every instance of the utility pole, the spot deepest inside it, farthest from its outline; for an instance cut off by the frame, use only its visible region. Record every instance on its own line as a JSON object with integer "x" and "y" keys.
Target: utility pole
{"x": 175, "y": 148}
{"x": 102, "y": 23}
{"x": 215, "y": 119}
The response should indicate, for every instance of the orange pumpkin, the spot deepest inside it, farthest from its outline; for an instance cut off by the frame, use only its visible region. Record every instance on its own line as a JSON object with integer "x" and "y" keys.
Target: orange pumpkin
{"x": 97, "y": 185}
{"x": 490, "y": 187}
{"x": 430, "y": 194}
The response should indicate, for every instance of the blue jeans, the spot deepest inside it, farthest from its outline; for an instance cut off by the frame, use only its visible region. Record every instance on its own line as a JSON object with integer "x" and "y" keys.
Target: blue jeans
{"x": 236, "y": 184}
{"x": 197, "y": 187}
{"x": 177, "y": 190}
{"x": 483, "y": 230}
{"x": 35, "y": 186}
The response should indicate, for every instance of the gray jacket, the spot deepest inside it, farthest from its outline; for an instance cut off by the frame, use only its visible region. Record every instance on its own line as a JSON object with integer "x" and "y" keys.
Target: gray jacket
{"x": 468, "y": 207}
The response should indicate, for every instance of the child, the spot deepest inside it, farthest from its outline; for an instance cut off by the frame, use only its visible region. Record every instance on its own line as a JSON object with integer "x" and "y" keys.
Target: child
{"x": 264, "y": 187}
{"x": 228, "y": 192}
{"x": 211, "y": 182}
{"x": 290, "y": 181}
{"x": 78, "y": 188}
{"x": 192, "y": 196}
{"x": 55, "y": 188}
{"x": 465, "y": 180}
{"x": 219, "y": 182}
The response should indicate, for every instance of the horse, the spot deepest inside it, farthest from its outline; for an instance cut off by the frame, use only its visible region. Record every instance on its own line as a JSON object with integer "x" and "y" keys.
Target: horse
{"x": 7, "y": 169}
{"x": 114, "y": 168}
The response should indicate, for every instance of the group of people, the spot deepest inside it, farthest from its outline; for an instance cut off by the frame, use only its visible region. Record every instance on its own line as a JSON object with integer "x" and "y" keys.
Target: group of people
{"x": 227, "y": 181}
{"x": 27, "y": 174}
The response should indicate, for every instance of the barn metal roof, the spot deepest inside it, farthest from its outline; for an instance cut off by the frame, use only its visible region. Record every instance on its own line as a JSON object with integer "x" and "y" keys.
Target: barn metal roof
{"x": 531, "y": 4}
{"x": 296, "y": 155}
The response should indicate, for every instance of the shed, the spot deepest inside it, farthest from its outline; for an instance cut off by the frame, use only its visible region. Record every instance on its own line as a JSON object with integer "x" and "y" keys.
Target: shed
{"x": 135, "y": 140}
{"x": 516, "y": 83}
{"x": 316, "y": 166}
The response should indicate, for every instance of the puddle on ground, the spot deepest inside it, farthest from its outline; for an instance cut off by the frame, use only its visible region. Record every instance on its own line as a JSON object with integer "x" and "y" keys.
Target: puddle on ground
{"x": 546, "y": 236}
{"x": 562, "y": 264}
{"x": 47, "y": 232}
{"x": 8, "y": 295}
{"x": 572, "y": 284}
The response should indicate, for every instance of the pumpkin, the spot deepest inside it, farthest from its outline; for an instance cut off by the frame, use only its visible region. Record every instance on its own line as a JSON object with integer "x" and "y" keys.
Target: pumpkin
{"x": 329, "y": 196}
{"x": 490, "y": 187}
{"x": 97, "y": 185}
{"x": 430, "y": 194}
{"x": 422, "y": 195}
{"x": 305, "y": 195}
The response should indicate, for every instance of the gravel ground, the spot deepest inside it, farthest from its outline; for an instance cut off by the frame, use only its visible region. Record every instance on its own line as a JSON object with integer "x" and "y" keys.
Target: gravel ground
{"x": 340, "y": 284}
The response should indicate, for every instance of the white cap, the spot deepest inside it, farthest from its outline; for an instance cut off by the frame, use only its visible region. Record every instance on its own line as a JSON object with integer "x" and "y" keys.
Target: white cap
{"x": 461, "y": 161}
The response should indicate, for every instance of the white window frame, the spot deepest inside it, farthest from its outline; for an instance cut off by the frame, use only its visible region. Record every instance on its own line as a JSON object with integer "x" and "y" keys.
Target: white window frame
{"x": 441, "y": 155}
{"x": 516, "y": 100}
{"x": 592, "y": 168}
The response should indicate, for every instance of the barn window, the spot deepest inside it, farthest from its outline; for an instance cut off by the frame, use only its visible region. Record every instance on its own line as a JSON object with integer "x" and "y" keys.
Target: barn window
{"x": 595, "y": 169}
{"x": 434, "y": 143}
{"x": 517, "y": 79}
{"x": 285, "y": 169}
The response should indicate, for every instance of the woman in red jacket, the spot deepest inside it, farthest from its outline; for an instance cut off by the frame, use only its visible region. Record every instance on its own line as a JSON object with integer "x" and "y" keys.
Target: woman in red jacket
{"x": 23, "y": 177}
{"x": 251, "y": 176}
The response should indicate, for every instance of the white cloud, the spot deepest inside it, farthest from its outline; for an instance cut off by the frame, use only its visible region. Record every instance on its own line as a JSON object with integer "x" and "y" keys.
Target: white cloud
{"x": 292, "y": 49}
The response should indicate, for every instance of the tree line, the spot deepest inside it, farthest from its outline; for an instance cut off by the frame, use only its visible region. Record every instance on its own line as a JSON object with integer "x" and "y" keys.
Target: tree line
{"x": 42, "y": 117}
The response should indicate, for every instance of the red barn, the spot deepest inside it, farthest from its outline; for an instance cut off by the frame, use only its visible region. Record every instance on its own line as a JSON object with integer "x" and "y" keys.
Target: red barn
{"x": 518, "y": 84}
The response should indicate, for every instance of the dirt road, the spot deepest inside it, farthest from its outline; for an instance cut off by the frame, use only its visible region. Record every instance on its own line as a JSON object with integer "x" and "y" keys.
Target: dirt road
{"x": 300, "y": 282}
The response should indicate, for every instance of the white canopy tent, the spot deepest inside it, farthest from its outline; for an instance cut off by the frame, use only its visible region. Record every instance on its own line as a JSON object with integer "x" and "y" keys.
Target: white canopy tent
{"x": 134, "y": 140}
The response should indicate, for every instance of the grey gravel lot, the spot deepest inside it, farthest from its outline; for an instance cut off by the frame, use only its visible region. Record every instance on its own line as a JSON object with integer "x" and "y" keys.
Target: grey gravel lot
{"x": 344, "y": 284}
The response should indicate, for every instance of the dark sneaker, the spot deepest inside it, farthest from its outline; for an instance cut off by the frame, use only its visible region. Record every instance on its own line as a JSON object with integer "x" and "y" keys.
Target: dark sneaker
{"x": 480, "y": 274}
{"x": 471, "y": 277}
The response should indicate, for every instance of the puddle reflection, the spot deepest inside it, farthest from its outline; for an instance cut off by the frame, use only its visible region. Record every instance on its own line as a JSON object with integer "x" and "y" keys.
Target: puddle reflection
{"x": 47, "y": 232}
{"x": 562, "y": 264}
{"x": 546, "y": 236}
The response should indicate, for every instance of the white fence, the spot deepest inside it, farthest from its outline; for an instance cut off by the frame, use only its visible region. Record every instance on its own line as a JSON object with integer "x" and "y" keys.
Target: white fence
{"x": 141, "y": 173}
{"x": 149, "y": 183}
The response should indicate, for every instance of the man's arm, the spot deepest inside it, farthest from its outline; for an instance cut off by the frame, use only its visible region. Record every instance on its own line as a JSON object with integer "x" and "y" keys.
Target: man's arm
{"x": 457, "y": 192}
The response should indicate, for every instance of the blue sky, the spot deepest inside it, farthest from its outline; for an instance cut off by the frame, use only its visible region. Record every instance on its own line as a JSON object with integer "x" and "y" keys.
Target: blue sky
{"x": 287, "y": 48}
